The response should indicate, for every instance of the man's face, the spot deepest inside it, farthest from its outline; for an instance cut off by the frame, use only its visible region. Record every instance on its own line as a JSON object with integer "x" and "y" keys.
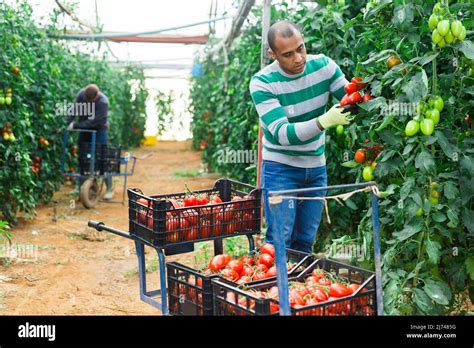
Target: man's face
{"x": 290, "y": 52}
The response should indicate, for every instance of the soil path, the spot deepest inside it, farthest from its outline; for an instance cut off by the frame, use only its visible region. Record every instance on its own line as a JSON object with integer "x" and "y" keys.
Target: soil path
{"x": 80, "y": 271}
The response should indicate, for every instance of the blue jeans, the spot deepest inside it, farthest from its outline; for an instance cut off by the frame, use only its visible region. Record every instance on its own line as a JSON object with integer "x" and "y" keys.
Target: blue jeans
{"x": 299, "y": 219}
{"x": 100, "y": 138}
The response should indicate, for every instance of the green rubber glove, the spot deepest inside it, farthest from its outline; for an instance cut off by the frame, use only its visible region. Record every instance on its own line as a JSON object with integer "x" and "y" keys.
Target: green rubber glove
{"x": 335, "y": 116}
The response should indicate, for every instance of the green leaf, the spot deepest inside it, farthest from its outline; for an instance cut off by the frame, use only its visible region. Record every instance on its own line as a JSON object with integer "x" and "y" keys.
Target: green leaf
{"x": 390, "y": 137}
{"x": 433, "y": 248}
{"x": 439, "y": 217}
{"x": 467, "y": 47}
{"x": 387, "y": 155}
{"x": 350, "y": 164}
{"x": 351, "y": 204}
{"x": 453, "y": 217}
{"x": 408, "y": 149}
{"x": 438, "y": 291}
{"x": 467, "y": 163}
{"x": 470, "y": 266}
{"x": 468, "y": 220}
{"x": 407, "y": 188}
{"x": 417, "y": 87}
{"x": 427, "y": 59}
{"x": 424, "y": 161}
{"x": 450, "y": 190}
{"x": 409, "y": 230}
{"x": 448, "y": 148}
{"x": 422, "y": 301}
{"x": 373, "y": 104}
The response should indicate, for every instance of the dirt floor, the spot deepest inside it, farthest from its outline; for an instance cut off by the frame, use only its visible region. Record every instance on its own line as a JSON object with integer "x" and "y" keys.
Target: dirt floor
{"x": 81, "y": 271}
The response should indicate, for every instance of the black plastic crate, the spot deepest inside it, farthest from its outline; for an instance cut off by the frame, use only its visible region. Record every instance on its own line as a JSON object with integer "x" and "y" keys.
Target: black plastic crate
{"x": 245, "y": 300}
{"x": 106, "y": 159}
{"x": 158, "y": 221}
{"x": 190, "y": 291}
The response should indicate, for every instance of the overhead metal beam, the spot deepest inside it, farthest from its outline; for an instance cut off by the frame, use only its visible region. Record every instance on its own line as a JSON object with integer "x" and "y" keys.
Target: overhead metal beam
{"x": 142, "y": 33}
{"x": 163, "y": 39}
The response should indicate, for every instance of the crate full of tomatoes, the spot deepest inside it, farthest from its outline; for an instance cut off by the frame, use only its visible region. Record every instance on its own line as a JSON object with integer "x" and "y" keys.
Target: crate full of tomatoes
{"x": 190, "y": 290}
{"x": 230, "y": 208}
{"x": 325, "y": 288}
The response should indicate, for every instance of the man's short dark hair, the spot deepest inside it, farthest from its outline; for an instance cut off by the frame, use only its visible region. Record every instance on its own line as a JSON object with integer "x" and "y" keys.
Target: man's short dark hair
{"x": 283, "y": 29}
{"x": 91, "y": 91}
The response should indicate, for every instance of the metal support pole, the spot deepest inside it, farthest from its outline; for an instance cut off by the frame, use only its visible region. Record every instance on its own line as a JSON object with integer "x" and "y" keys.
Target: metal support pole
{"x": 163, "y": 290}
{"x": 378, "y": 264}
{"x": 267, "y": 14}
{"x": 280, "y": 261}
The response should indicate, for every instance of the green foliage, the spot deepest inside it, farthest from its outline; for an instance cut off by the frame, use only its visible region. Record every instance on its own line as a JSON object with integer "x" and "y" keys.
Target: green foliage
{"x": 164, "y": 111}
{"x": 49, "y": 75}
{"x": 427, "y": 259}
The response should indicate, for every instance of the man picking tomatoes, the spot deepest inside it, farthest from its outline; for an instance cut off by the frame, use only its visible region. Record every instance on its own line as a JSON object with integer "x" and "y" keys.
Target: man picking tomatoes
{"x": 291, "y": 96}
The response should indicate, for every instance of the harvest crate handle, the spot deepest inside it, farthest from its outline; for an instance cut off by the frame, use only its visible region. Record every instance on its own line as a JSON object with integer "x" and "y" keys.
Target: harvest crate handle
{"x": 99, "y": 226}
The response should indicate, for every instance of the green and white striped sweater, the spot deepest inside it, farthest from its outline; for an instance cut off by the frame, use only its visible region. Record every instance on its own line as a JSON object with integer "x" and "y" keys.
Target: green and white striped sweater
{"x": 288, "y": 105}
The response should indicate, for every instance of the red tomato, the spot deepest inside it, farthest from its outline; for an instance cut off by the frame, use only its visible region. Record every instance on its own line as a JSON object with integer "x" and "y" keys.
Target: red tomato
{"x": 227, "y": 258}
{"x": 192, "y": 233}
{"x": 354, "y": 98}
{"x": 317, "y": 273}
{"x": 202, "y": 199}
{"x": 319, "y": 295}
{"x": 236, "y": 265}
{"x": 247, "y": 260}
{"x": 268, "y": 249}
{"x": 244, "y": 279}
{"x": 216, "y": 199}
{"x": 217, "y": 263}
{"x": 356, "y": 81}
{"x": 248, "y": 221}
{"x": 191, "y": 216}
{"x": 273, "y": 292}
{"x": 266, "y": 260}
{"x": 249, "y": 206}
{"x": 257, "y": 275}
{"x": 261, "y": 267}
{"x": 247, "y": 271}
{"x": 205, "y": 229}
{"x": 296, "y": 298}
{"x": 172, "y": 234}
{"x": 190, "y": 201}
{"x": 230, "y": 274}
{"x": 344, "y": 100}
{"x": 367, "y": 97}
{"x": 324, "y": 281}
{"x": 272, "y": 272}
{"x": 350, "y": 88}
{"x": 353, "y": 287}
{"x": 338, "y": 290}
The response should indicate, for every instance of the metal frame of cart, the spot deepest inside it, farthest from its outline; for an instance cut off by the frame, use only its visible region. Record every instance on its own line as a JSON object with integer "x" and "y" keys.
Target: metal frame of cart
{"x": 150, "y": 296}
{"x": 91, "y": 180}
{"x": 279, "y": 243}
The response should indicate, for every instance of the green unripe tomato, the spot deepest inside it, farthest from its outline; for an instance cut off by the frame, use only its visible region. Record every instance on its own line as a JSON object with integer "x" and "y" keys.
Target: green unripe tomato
{"x": 433, "y": 115}
{"x": 368, "y": 173}
{"x": 8, "y": 100}
{"x": 449, "y": 37}
{"x": 443, "y": 27}
{"x": 412, "y": 128}
{"x": 427, "y": 126}
{"x": 433, "y": 22}
{"x": 441, "y": 43}
{"x": 436, "y": 37}
{"x": 437, "y": 103}
{"x": 462, "y": 34}
{"x": 456, "y": 28}
{"x": 340, "y": 130}
{"x": 419, "y": 212}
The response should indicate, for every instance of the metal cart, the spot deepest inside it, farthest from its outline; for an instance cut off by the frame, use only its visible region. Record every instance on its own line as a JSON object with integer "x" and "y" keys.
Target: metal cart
{"x": 90, "y": 190}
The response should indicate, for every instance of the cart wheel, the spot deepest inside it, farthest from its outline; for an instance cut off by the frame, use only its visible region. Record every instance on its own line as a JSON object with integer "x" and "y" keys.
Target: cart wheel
{"x": 89, "y": 193}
